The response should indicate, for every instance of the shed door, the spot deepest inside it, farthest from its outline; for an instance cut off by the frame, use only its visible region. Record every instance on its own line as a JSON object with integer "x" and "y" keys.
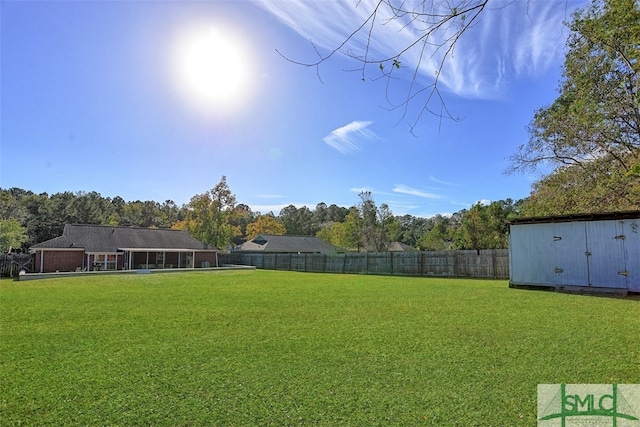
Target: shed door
{"x": 571, "y": 261}
{"x": 632, "y": 245}
{"x": 606, "y": 249}
{"x": 531, "y": 254}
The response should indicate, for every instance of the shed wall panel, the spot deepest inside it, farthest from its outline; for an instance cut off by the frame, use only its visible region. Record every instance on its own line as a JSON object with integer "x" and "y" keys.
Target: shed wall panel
{"x": 531, "y": 259}
{"x": 601, "y": 253}
{"x": 606, "y": 254}
{"x": 570, "y": 247}
{"x": 632, "y": 252}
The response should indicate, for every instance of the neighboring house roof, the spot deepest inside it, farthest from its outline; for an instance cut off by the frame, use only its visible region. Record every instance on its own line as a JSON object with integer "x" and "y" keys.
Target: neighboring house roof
{"x": 287, "y": 244}
{"x": 400, "y": 247}
{"x": 106, "y": 238}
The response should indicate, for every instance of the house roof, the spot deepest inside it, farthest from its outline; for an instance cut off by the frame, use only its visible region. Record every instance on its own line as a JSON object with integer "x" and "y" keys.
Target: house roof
{"x": 287, "y": 244}
{"x": 106, "y": 238}
{"x": 400, "y": 247}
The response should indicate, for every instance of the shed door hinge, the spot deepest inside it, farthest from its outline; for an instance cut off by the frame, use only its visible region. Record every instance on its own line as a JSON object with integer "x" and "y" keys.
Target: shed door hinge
{"x": 620, "y": 237}
{"x": 557, "y": 270}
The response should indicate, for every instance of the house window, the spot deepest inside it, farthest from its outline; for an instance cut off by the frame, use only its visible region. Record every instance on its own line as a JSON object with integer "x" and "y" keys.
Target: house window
{"x": 105, "y": 262}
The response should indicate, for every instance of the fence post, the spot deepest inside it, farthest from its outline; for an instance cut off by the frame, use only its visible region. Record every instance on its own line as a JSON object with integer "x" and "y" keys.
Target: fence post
{"x": 455, "y": 264}
{"x": 493, "y": 263}
{"x": 366, "y": 262}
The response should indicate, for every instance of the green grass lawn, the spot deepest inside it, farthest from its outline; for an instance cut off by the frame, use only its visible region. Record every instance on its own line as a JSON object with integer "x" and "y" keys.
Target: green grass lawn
{"x": 251, "y": 348}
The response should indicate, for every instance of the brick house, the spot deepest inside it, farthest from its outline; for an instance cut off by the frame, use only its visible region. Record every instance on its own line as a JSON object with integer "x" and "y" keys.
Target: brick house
{"x": 104, "y": 247}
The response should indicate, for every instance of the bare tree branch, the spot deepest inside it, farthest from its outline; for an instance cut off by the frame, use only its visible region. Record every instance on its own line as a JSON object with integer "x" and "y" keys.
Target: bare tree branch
{"x": 433, "y": 21}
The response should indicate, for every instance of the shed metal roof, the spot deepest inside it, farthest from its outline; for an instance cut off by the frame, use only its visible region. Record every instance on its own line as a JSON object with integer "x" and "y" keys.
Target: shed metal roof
{"x": 578, "y": 217}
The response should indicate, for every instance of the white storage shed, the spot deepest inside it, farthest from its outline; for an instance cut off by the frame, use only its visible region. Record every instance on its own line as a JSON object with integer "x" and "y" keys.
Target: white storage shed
{"x": 581, "y": 253}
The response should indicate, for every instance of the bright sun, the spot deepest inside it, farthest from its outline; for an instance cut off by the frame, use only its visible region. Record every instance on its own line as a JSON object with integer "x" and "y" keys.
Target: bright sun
{"x": 213, "y": 68}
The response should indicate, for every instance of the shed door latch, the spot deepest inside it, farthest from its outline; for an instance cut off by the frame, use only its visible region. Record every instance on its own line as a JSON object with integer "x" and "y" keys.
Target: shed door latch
{"x": 557, "y": 270}
{"x": 620, "y": 237}
{"x": 556, "y": 238}
{"x": 623, "y": 273}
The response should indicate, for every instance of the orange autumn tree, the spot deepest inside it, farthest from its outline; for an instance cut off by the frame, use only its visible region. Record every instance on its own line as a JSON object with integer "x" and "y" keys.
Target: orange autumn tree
{"x": 265, "y": 224}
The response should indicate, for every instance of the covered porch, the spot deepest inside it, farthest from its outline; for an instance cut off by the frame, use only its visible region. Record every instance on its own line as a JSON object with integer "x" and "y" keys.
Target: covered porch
{"x": 162, "y": 258}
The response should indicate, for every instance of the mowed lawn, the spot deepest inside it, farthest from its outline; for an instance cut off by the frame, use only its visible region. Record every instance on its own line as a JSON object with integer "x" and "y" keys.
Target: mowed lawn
{"x": 254, "y": 348}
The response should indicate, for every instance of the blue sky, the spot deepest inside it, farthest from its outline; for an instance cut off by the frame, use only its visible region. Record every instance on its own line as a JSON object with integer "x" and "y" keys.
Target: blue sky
{"x": 123, "y": 98}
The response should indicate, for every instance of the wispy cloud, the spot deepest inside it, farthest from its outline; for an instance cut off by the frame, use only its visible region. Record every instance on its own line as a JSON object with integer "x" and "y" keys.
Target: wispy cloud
{"x": 439, "y": 181}
{"x": 360, "y": 189}
{"x": 270, "y": 196}
{"x": 264, "y": 209}
{"x": 509, "y": 40}
{"x": 403, "y": 189}
{"x": 348, "y": 138}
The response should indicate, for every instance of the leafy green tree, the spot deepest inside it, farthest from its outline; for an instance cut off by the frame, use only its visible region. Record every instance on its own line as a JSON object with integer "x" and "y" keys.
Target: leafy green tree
{"x": 334, "y": 213}
{"x": 376, "y": 226}
{"x": 486, "y": 226}
{"x": 298, "y": 221}
{"x": 88, "y": 208}
{"x": 241, "y": 219}
{"x": 438, "y": 237}
{"x": 595, "y": 187}
{"x": 12, "y": 234}
{"x": 265, "y": 224}
{"x": 132, "y": 214}
{"x": 43, "y": 221}
{"x": 320, "y": 213}
{"x": 209, "y": 216}
{"x": 593, "y": 128}
{"x": 388, "y": 228}
{"x": 11, "y": 206}
{"x": 353, "y": 236}
{"x": 118, "y": 204}
{"x": 336, "y": 234}
{"x": 412, "y": 229}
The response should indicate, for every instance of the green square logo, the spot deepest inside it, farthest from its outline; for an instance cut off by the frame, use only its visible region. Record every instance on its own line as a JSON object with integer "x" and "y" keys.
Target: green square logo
{"x": 589, "y": 405}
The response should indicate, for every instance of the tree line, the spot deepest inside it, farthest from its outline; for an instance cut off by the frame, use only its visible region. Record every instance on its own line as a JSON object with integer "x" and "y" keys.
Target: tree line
{"x": 215, "y": 217}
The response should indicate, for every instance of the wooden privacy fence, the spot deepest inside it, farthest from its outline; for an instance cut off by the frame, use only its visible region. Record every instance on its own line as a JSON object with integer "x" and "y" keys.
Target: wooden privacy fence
{"x": 490, "y": 263}
{"x": 12, "y": 263}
